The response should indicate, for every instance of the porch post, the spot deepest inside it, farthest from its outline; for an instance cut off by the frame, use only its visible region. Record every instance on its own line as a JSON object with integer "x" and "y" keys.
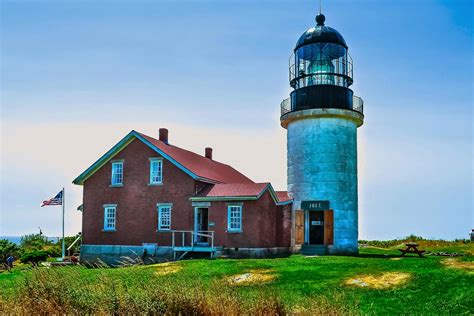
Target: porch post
{"x": 196, "y": 223}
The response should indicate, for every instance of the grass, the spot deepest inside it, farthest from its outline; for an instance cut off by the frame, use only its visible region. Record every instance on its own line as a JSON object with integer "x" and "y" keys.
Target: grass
{"x": 307, "y": 285}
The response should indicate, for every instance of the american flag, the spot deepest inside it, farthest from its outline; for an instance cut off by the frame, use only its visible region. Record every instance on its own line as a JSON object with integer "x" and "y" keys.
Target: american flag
{"x": 57, "y": 200}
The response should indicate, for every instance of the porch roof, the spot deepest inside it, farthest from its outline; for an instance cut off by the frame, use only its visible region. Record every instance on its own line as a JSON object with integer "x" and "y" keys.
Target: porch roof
{"x": 240, "y": 191}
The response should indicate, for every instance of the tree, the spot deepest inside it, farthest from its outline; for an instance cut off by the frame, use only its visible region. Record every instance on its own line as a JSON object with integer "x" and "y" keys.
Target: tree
{"x": 7, "y": 249}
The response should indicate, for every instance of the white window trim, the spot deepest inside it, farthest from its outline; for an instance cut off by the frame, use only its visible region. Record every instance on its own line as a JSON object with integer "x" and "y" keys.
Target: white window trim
{"x": 107, "y": 206}
{"x": 112, "y": 184}
{"x": 159, "y": 206}
{"x": 234, "y": 230}
{"x": 150, "y": 182}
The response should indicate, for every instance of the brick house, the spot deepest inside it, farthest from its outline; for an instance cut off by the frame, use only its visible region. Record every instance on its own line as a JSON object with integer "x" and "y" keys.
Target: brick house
{"x": 146, "y": 197}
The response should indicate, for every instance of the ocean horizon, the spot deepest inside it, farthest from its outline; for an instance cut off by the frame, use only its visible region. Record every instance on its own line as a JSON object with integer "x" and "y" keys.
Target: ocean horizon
{"x": 17, "y": 239}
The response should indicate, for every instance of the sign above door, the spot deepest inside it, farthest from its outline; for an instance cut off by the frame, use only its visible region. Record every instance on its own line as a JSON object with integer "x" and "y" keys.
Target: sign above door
{"x": 315, "y": 205}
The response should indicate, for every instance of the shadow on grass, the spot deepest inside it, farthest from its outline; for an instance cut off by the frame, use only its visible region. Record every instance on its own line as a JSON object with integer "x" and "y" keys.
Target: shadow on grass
{"x": 388, "y": 256}
{"x": 378, "y": 256}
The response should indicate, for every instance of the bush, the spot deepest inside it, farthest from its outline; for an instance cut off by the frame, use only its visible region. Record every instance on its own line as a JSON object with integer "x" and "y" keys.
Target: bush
{"x": 7, "y": 249}
{"x": 53, "y": 251}
{"x": 34, "y": 256}
{"x": 69, "y": 240}
{"x": 411, "y": 238}
{"x": 33, "y": 242}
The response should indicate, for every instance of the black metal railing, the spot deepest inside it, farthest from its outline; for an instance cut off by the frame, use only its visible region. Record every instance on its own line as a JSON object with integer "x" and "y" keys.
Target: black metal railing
{"x": 285, "y": 106}
{"x": 357, "y": 105}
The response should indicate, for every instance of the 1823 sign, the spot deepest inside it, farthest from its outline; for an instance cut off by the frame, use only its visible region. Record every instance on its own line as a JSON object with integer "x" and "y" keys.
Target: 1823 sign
{"x": 315, "y": 205}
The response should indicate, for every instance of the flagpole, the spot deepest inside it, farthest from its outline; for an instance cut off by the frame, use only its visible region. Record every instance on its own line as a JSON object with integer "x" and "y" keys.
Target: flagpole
{"x": 63, "y": 244}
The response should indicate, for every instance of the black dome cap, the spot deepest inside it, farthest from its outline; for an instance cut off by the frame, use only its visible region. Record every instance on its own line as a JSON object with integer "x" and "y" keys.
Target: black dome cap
{"x": 321, "y": 34}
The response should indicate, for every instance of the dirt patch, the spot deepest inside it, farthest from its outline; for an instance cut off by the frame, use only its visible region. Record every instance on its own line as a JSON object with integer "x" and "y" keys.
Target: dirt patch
{"x": 379, "y": 281}
{"x": 253, "y": 277}
{"x": 396, "y": 259}
{"x": 166, "y": 268}
{"x": 457, "y": 264}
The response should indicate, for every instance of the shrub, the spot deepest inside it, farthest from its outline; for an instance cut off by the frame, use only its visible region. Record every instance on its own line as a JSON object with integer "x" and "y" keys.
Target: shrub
{"x": 33, "y": 242}
{"x": 414, "y": 238}
{"x": 53, "y": 251}
{"x": 7, "y": 249}
{"x": 69, "y": 240}
{"x": 34, "y": 256}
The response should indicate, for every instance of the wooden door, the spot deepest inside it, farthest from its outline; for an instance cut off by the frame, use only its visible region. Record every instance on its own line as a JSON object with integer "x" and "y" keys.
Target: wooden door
{"x": 299, "y": 227}
{"x": 329, "y": 227}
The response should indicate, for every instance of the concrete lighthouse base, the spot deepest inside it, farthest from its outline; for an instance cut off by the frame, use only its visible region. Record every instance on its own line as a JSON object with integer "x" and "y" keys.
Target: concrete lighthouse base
{"x": 322, "y": 166}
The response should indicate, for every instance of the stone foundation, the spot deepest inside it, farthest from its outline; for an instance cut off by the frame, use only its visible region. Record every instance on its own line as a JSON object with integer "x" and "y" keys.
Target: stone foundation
{"x": 254, "y": 252}
{"x": 115, "y": 255}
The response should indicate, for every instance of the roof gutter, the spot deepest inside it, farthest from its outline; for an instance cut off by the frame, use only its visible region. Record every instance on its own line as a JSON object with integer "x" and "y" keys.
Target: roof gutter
{"x": 223, "y": 198}
{"x": 103, "y": 160}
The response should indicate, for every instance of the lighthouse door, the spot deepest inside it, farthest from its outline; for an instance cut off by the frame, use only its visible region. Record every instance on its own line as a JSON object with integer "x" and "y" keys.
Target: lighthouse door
{"x": 316, "y": 228}
{"x": 299, "y": 227}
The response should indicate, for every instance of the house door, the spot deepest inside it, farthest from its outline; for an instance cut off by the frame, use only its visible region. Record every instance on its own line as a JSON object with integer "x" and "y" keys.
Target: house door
{"x": 316, "y": 227}
{"x": 202, "y": 223}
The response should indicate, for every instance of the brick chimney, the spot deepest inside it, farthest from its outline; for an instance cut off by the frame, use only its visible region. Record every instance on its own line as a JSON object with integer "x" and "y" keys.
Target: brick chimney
{"x": 208, "y": 154}
{"x": 164, "y": 135}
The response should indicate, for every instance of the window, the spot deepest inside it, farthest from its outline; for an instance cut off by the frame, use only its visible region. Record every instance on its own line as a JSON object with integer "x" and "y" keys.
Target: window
{"x": 164, "y": 217}
{"x": 234, "y": 219}
{"x": 156, "y": 170}
{"x": 110, "y": 216}
{"x": 117, "y": 173}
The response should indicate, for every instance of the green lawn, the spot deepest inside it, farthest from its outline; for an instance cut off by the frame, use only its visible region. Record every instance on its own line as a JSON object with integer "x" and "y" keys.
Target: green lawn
{"x": 299, "y": 283}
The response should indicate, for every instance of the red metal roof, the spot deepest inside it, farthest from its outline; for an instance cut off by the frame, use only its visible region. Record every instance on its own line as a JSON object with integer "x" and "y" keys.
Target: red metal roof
{"x": 241, "y": 190}
{"x": 200, "y": 165}
{"x": 283, "y": 196}
{"x": 225, "y": 181}
{"x": 233, "y": 190}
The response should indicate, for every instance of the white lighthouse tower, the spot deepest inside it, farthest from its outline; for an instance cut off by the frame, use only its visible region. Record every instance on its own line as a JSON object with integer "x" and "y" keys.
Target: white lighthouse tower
{"x": 321, "y": 117}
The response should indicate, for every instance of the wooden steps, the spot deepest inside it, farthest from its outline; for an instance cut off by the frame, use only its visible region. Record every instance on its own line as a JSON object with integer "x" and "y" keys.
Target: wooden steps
{"x": 190, "y": 241}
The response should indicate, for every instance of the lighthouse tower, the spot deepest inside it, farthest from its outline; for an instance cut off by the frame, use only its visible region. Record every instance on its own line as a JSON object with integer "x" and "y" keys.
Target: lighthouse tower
{"x": 321, "y": 117}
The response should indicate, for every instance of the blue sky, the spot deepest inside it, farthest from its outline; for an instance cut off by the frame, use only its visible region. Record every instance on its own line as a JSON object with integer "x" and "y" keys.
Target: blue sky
{"x": 76, "y": 76}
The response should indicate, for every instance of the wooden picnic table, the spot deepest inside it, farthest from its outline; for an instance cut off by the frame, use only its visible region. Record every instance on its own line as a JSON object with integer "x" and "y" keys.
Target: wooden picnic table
{"x": 412, "y": 247}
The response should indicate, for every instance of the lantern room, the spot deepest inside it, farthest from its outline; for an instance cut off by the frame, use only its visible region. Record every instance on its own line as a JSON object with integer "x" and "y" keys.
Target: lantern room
{"x": 320, "y": 71}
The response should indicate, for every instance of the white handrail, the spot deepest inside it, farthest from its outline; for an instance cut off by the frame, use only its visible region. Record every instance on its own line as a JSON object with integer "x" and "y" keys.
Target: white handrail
{"x": 74, "y": 242}
{"x": 194, "y": 235}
